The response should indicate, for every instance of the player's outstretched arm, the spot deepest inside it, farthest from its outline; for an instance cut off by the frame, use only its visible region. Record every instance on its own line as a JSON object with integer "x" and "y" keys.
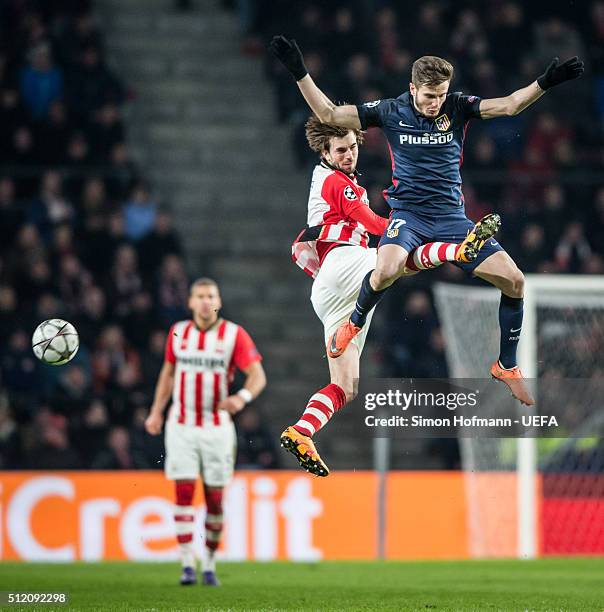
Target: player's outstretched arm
{"x": 289, "y": 54}
{"x": 515, "y": 103}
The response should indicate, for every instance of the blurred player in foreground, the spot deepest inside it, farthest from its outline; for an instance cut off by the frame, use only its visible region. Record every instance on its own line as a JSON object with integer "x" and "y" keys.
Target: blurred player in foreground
{"x": 425, "y": 128}
{"x": 200, "y": 360}
{"x": 339, "y": 216}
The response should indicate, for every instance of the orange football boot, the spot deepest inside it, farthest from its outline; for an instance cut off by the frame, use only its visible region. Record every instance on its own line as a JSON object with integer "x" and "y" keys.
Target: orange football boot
{"x": 341, "y": 338}
{"x": 303, "y": 449}
{"x": 515, "y": 381}
{"x": 486, "y": 228}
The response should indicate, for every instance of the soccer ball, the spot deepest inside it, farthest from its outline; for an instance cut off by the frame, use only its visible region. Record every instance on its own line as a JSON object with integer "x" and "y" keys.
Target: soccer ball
{"x": 55, "y": 342}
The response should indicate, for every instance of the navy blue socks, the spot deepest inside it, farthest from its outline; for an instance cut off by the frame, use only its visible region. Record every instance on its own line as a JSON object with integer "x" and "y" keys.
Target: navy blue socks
{"x": 510, "y": 323}
{"x": 368, "y": 299}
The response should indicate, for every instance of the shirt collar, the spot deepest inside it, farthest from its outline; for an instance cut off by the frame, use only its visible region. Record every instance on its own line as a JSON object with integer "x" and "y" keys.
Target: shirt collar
{"x": 326, "y": 164}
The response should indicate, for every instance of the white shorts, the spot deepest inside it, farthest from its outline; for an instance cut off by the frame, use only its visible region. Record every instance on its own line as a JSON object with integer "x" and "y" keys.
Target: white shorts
{"x": 336, "y": 288}
{"x": 207, "y": 451}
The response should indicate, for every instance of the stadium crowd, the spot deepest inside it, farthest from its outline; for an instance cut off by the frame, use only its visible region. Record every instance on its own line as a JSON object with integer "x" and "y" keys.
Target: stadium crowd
{"x": 540, "y": 170}
{"x": 81, "y": 238}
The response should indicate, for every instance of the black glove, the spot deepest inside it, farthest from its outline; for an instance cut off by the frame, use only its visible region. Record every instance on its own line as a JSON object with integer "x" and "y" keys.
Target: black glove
{"x": 558, "y": 73}
{"x": 289, "y": 54}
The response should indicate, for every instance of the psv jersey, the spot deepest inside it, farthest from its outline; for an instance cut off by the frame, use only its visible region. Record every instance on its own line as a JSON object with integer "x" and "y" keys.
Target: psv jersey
{"x": 339, "y": 205}
{"x": 205, "y": 363}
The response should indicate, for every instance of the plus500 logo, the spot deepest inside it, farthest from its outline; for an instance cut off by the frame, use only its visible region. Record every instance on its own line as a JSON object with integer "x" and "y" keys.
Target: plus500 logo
{"x": 427, "y": 139}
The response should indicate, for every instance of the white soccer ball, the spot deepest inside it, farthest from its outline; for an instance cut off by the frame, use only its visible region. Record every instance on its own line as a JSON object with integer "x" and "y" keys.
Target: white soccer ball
{"x": 55, "y": 342}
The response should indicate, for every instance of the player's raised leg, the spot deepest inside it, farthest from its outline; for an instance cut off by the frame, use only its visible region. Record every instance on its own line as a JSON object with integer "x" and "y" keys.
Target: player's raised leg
{"x": 322, "y": 405}
{"x": 390, "y": 265}
{"x": 395, "y": 261}
{"x": 184, "y": 516}
{"x": 500, "y": 270}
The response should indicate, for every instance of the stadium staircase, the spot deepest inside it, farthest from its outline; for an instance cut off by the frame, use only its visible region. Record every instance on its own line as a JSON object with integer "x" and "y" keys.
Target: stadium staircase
{"x": 202, "y": 127}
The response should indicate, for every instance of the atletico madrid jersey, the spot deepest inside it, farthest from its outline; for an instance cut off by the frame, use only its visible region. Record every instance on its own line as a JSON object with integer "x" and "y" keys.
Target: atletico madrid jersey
{"x": 205, "y": 362}
{"x": 426, "y": 153}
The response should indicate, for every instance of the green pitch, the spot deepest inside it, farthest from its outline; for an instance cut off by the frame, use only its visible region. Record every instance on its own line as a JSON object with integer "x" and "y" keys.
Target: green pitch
{"x": 553, "y": 584}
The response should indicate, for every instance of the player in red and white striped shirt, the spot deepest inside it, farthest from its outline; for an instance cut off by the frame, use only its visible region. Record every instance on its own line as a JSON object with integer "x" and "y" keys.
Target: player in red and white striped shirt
{"x": 335, "y": 251}
{"x": 200, "y": 361}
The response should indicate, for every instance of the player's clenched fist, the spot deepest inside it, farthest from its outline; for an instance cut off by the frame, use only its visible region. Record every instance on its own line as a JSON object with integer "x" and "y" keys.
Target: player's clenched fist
{"x": 289, "y": 54}
{"x": 154, "y": 423}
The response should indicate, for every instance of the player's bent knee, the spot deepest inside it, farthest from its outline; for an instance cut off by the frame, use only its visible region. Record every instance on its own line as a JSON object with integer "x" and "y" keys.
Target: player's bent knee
{"x": 386, "y": 274}
{"x": 516, "y": 283}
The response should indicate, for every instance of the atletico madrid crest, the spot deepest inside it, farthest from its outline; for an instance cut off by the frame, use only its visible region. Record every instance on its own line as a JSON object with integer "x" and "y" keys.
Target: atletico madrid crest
{"x": 443, "y": 123}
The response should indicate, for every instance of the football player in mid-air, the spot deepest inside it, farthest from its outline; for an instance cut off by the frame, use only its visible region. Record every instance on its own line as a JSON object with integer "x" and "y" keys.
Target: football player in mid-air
{"x": 425, "y": 128}
{"x": 335, "y": 251}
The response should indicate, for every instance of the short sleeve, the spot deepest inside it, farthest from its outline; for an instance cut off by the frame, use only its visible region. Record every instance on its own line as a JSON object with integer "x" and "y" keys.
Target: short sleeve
{"x": 468, "y": 106}
{"x": 169, "y": 355}
{"x": 245, "y": 352}
{"x": 373, "y": 114}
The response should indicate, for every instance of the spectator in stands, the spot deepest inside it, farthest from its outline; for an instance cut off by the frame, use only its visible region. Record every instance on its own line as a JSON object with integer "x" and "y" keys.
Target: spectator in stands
{"x": 533, "y": 248}
{"x": 72, "y": 390}
{"x": 92, "y": 316}
{"x": 73, "y": 281}
{"x": 11, "y": 115}
{"x": 9, "y": 311}
{"x": 41, "y": 82}
{"x": 111, "y": 356}
{"x": 23, "y": 151}
{"x": 152, "y": 358}
{"x": 51, "y": 207}
{"x": 94, "y": 197}
{"x": 161, "y": 241}
{"x": 125, "y": 280}
{"x": 52, "y": 450}
{"x": 139, "y": 212}
{"x": 140, "y": 319}
{"x": 148, "y": 449}
{"x": 172, "y": 289}
{"x": 62, "y": 242}
{"x": 118, "y": 454}
{"x": 52, "y": 135}
{"x": 255, "y": 442}
{"x": 573, "y": 248}
{"x": 11, "y": 214}
{"x": 91, "y": 432}
{"x": 92, "y": 84}
{"x": 124, "y": 173}
{"x": 10, "y": 445}
{"x": 106, "y": 130}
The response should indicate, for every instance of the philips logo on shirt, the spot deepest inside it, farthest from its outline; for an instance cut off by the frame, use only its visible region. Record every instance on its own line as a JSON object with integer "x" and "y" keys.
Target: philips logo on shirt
{"x": 211, "y": 363}
{"x": 426, "y": 139}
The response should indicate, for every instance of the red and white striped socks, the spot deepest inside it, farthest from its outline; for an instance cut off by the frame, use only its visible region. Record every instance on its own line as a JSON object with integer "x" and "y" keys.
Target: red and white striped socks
{"x": 320, "y": 408}
{"x": 431, "y": 255}
{"x": 213, "y": 525}
{"x": 184, "y": 517}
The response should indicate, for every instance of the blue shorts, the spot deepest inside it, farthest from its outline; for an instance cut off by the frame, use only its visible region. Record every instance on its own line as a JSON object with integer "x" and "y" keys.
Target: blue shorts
{"x": 411, "y": 229}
